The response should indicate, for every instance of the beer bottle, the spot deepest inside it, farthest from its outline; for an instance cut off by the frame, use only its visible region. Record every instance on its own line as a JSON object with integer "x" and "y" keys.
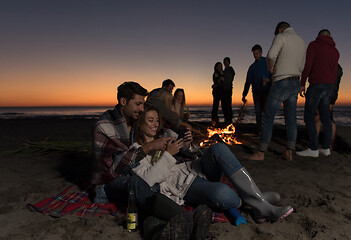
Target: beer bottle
{"x": 156, "y": 157}
{"x": 132, "y": 213}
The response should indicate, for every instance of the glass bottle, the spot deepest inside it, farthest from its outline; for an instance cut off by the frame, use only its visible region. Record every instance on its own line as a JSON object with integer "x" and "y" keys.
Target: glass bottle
{"x": 156, "y": 157}
{"x": 132, "y": 213}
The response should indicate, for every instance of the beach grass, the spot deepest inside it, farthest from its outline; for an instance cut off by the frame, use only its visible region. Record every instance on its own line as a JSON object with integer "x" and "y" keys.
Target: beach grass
{"x": 41, "y": 147}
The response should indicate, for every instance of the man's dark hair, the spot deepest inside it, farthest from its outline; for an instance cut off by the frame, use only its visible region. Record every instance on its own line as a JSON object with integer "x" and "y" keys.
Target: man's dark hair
{"x": 226, "y": 59}
{"x": 127, "y": 90}
{"x": 167, "y": 82}
{"x": 324, "y": 32}
{"x": 256, "y": 47}
{"x": 281, "y": 25}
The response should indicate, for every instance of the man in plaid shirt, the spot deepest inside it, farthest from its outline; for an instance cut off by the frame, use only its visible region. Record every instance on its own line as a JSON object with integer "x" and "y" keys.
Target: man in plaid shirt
{"x": 113, "y": 160}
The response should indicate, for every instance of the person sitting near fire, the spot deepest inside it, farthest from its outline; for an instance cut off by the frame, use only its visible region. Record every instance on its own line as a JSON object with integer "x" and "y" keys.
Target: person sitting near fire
{"x": 178, "y": 104}
{"x": 162, "y": 100}
{"x": 196, "y": 180}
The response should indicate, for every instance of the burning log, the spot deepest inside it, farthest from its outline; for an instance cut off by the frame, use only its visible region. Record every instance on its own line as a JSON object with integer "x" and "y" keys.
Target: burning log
{"x": 225, "y": 135}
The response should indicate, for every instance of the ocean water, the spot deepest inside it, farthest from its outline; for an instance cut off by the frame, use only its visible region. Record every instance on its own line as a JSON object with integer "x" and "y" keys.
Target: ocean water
{"x": 342, "y": 114}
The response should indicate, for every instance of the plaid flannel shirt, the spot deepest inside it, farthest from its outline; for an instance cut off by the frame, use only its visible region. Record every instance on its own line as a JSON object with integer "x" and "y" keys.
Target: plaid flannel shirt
{"x": 111, "y": 141}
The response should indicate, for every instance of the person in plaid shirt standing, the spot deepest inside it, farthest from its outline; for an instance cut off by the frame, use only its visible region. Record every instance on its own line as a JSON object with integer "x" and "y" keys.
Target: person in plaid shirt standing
{"x": 113, "y": 160}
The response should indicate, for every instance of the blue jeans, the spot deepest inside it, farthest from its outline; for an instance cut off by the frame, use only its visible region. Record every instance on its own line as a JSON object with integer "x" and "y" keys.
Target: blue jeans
{"x": 318, "y": 96}
{"x": 217, "y": 96}
{"x": 227, "y": 106}
{"x": 117, "y": 190}
{"x": 217, "y": 160}
{"x": 285, "y": 91}
{"x": 259, "y": 99}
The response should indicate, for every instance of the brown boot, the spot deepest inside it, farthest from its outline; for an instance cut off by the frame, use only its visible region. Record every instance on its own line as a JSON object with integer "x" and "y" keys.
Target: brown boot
{"x": 202, "y": 221}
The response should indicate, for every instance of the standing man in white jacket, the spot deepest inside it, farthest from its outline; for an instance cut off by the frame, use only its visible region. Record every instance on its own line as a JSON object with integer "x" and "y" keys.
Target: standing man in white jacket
{"x": 285, "y": 60}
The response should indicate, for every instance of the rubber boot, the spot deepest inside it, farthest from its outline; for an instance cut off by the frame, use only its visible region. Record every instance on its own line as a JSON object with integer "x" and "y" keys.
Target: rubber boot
{"x": 271, "y": 197}
{"x": 251, "y": 195}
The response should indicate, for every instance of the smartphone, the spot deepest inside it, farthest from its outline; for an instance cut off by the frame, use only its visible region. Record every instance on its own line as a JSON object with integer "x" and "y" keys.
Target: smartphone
{"x": 182, "y": 133}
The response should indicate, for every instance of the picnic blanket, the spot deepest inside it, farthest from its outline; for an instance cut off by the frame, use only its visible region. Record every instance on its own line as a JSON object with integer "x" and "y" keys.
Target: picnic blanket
{"x": 78, "y": 204}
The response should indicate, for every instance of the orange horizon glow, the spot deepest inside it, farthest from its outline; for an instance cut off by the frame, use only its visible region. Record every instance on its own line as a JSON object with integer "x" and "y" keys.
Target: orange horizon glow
{"x": 32, "y": 89}
{"x": 109, "y": 99}
{"x": 111, "y": 104}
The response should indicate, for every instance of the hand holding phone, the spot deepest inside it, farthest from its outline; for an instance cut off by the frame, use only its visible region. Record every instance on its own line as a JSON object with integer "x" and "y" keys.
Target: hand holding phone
{"x": 182, "y": 133}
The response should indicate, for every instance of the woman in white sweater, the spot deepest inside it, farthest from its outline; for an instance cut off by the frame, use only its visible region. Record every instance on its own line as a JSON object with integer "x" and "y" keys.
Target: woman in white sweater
{"x": 197, "y": 182}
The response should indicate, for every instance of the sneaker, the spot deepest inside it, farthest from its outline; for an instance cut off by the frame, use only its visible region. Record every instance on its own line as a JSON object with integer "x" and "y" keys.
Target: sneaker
{"x": 308, "y": 153}
{"x": 202, "y": 221}
{"x": 178, "y": 228}
{"x": 324, "y": 152}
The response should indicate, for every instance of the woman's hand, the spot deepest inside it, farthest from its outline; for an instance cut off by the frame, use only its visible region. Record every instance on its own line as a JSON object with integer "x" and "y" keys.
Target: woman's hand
{"x": 159, "y": 144}
{"x": 265, "y": 81}
{"x": 188, "y": 138}
{"x": 174, "y": 145}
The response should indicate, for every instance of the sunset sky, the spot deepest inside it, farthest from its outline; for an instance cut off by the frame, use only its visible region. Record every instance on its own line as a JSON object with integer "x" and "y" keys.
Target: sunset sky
{"x": 75, "y": 53}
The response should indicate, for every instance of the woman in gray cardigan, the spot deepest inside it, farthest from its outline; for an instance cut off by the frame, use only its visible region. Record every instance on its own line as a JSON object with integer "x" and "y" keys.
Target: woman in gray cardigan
{"x": 198, "y": 181}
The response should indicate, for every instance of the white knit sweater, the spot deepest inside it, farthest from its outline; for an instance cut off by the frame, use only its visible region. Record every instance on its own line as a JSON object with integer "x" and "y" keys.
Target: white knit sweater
{"x": 174, "y": 179}
{"x": 287, "y": 55}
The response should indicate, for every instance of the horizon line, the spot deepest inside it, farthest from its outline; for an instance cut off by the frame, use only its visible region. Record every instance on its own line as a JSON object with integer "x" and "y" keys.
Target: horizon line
{"x": 109, "y": 106}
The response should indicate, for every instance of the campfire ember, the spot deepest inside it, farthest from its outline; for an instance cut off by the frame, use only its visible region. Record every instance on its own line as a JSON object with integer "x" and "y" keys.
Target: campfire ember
{"x": 225, "y": 135}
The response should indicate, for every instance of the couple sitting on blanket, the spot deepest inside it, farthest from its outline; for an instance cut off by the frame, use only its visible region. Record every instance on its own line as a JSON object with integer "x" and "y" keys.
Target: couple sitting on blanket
{"x": 121, "y": 166}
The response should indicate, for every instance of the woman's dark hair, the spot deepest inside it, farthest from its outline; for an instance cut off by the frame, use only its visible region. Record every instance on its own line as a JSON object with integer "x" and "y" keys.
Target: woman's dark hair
{"x": 175, "y": 94}
{"x": 182, "y": 106}
{"x": 215, "y": 66}
{"x": 138, "y": 134}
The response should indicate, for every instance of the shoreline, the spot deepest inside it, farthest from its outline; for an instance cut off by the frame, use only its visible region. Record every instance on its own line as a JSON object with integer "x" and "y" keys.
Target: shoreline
{"x": 202, "y": 114}
{"x": 318, "y": 189}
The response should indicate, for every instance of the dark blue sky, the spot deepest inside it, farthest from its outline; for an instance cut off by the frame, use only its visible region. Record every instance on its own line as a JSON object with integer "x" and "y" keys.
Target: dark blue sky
{"x": 96, "y": 45}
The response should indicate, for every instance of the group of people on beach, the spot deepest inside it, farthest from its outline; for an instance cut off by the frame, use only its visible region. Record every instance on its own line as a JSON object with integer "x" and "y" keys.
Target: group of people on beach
{"x": 147, "y": 146}
{"x": 279, "y": 78}
{"x": 287, "y": 62}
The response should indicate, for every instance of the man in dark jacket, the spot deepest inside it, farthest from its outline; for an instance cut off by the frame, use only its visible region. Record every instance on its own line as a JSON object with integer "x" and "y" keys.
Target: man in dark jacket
{"x": 321, "y": 69}
{"x": 228, "y": 91}
{"x": 259, "y": 77}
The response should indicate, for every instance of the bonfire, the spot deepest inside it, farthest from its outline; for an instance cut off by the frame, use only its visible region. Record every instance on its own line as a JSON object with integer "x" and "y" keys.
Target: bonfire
{"x": 226, "y": 135}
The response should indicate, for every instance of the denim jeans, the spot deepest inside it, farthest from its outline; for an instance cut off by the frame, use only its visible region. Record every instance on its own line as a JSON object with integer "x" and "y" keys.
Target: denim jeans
{"x": 318, "y": 96}
{"x": 286, "y": 91}
{"x": 117, "y": 190}
{"x": 217, "y": 160}
{"x": 259, "y": 99}
{"x": 227, "y": 106}
{"x": 217, "y": 96}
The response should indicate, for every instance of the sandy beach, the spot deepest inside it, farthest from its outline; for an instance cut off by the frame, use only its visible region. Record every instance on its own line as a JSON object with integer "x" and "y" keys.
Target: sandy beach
{"x": 318, "y": 189}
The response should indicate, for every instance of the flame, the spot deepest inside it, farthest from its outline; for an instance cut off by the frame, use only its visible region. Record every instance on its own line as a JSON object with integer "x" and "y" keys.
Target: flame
{"x": 226, "y": 134}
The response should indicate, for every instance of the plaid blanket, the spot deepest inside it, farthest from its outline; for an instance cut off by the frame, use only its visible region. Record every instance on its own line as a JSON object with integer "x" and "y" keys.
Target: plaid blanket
{"x": 78, "y": 204}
